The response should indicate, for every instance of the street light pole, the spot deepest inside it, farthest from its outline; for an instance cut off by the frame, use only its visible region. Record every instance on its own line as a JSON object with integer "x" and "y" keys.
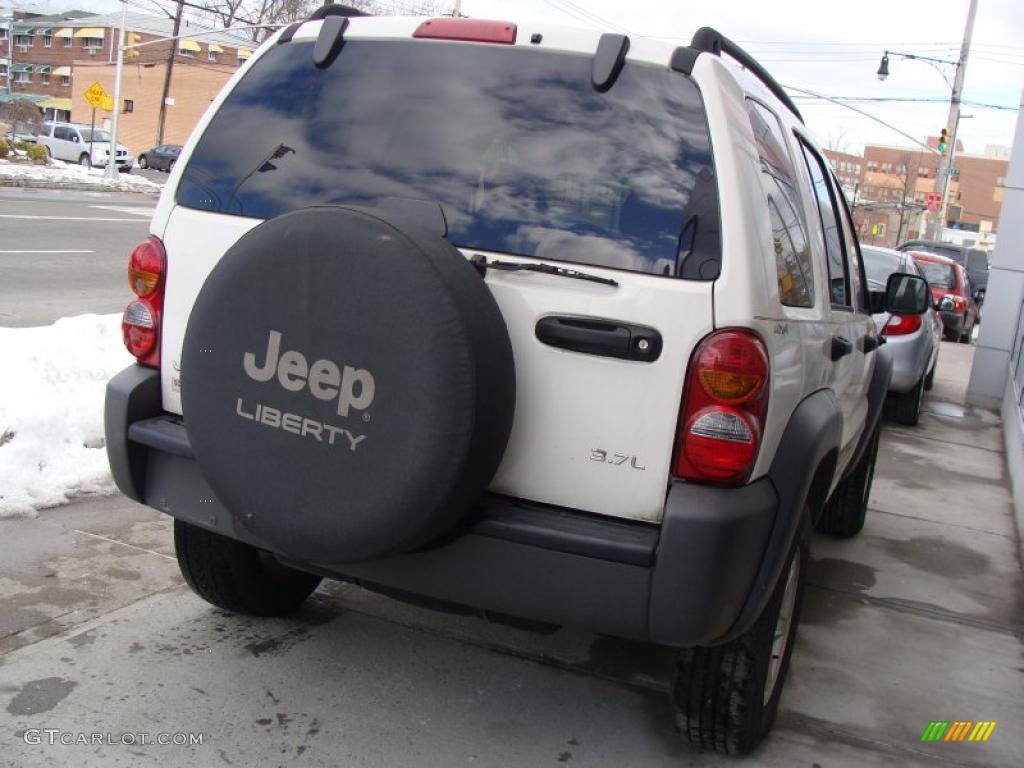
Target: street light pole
{"x": 938, "y": 224}
{"x": 936, "y": 227}
{"x": 112, "y": 160}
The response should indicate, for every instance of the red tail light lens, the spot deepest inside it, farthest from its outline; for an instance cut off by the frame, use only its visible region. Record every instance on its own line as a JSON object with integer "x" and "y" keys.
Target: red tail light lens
{"x": 901, "y": 325}
{"x": 468, "y": 30}
{"x": 140, "y": 324}
{"x": 146, "y": 267}
{"x": 723, "y": 411}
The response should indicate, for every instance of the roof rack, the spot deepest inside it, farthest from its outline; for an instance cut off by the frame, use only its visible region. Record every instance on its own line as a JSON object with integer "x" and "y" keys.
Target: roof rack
{"x": 708, "y": 40}
{"x": 333, "y": 9}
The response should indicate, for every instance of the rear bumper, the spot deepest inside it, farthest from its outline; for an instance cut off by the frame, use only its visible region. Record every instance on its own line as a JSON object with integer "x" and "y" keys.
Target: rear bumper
{"x": 692, "y": 580}
{"x": 952, "y": 321}
{"x": 910, "y": 356}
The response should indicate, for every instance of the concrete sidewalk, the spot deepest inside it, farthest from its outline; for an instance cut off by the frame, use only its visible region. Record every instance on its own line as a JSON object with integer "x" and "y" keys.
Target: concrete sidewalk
{"x": 917, "y": 619}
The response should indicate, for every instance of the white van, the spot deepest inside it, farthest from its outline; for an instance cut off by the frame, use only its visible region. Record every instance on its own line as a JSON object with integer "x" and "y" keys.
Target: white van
{"x": 82, "y": 144}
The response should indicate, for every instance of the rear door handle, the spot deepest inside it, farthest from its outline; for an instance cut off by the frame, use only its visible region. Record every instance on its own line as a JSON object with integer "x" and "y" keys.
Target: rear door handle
{"x": 606, "y": 338}
{"x": 871, "y": 343}
{"x": 840, "y": 347}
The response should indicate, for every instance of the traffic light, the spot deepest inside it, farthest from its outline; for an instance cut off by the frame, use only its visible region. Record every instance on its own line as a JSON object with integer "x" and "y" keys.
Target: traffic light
{"x": 943, "y": 141}
{"x": 132, "y": 38}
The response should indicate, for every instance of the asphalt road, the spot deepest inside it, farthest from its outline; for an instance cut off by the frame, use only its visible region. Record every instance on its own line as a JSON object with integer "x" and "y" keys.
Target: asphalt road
{"x": 66, "y": 252}
{"x": 917, "y": 619}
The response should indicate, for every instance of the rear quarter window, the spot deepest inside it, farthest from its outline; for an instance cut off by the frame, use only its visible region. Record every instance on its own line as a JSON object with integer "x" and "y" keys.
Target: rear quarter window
{"x": 518, "y": 149}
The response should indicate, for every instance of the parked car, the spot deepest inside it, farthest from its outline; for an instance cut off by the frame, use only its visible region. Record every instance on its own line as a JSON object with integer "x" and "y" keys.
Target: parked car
{"x": 160, "y": 158}
{"x": 912, "y": 341}
{"x": 74, "y": 143}
{"x": 443, "y": 308}
{"x": 952, "y": 291}
{"x": 974, "y": 260}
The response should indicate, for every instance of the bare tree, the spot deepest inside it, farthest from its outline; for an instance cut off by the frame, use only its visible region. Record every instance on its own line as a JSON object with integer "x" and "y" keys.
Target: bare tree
{"x": 907, "y": 171}
{"x": 277, "y": 12}
{"x": 839, "y": 140}
{"x": 21, "y": 114}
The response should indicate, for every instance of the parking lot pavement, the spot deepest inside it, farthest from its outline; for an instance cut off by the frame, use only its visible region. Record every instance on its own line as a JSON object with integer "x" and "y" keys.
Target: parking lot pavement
{"x": 917, "y": 619}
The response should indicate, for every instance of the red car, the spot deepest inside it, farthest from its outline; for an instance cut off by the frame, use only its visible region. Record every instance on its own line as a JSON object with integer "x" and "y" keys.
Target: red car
{"x": 952, "y": 293}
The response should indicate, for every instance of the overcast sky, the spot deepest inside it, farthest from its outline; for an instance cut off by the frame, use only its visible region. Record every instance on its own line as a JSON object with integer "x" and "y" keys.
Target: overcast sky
{"x": 827, "y": 47}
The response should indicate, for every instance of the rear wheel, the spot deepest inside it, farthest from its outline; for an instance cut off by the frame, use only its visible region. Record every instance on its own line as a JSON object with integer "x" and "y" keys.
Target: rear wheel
{"x": 170, "y": 165}
{"x": 844, "y": 513}
{"x": 907, "y": 408}
{"x": 238, "y": 577}
{"x": 726, "y": 697}
{"x": 143, "y": 162}
{"x": 929, "y": 380}
{"x": 968, "y": 331}
{"x": 84, "y": 161}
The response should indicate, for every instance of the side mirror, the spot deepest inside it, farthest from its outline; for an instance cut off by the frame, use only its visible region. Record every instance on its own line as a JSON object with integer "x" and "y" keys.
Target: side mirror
{"x": 979, "y": 295}
{"x": 74, "y": 137}
{"x": 907, "y": 294}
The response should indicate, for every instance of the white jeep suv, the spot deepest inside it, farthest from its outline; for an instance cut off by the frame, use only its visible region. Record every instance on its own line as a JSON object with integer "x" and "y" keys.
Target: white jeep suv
{"x": 83, "y": 144}
{"x": 549, "y": 323}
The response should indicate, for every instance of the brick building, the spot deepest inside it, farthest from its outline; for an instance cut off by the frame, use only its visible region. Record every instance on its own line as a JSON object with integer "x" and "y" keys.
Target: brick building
{"x": 52, "y": 60}
{"x": 890, "y": 197}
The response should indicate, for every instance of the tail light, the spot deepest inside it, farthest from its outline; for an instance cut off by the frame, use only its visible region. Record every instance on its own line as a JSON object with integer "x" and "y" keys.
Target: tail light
{"x": 140, "y": 324}
{"x": 723, "y": 411}
{"x": 901, "y": 325}
{"x": 952, "y": 303}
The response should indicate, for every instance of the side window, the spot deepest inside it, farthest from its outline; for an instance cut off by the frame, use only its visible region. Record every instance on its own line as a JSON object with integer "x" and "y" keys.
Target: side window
{"x": 62, "y": 133}
{"x": 858, "y": 279}
{"x": 838, "y": 277}
{"x": 793, "y": 264}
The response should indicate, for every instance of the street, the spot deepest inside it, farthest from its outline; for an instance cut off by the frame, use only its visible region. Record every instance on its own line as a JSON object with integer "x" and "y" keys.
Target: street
{"x": 917, "y": 619}
{"x": 65, "y": 252}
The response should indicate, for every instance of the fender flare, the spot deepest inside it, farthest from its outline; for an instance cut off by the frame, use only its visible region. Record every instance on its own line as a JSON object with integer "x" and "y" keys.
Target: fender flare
{"x": 877, "y": 390}
{"x": 804, "y": 462}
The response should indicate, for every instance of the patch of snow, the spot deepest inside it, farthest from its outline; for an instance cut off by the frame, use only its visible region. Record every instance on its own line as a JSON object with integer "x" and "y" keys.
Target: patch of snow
{"x": 51, "y": 411}
{"x": 59, "y": 172}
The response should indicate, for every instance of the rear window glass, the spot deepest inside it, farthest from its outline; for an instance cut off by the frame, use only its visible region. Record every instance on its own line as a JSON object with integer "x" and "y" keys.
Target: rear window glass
{"x": 880, "y": 264}
{"x": 520, "y": 151}
{"x": 938, "y": 275}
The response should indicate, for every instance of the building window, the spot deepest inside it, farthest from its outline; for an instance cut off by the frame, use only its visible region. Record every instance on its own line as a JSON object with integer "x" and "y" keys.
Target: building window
{"x": 129, "y": 105}
{"x": 47, "y": 41}
{"x": 872, "y": 165}
{"x": 68, "y": 42}
{"x": 65, "y": 79}
{"x": 45, "y": 78}
{"x": 22, "y": 77}
{"x": 886, "y": 167}
{"x": 185, "y": 52}
{"x": 3, "y": 33}
{"x": 92, "y": 42}
{"x": 212, "y": 55}
{"x": 23, "y": 40}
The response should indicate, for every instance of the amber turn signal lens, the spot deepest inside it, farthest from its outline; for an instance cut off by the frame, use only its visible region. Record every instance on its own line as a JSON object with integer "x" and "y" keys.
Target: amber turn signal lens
{"x": 729, "y": 387}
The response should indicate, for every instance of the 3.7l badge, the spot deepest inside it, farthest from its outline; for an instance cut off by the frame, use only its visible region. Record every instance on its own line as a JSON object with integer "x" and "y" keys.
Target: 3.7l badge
{"x": 615, "y": 459}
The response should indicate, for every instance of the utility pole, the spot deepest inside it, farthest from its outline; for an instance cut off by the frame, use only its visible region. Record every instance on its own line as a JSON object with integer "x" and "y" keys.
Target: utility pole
{"x": 938, "y": 225}
{"x": 167, "y": 75}
{"x": 112, "y": 160}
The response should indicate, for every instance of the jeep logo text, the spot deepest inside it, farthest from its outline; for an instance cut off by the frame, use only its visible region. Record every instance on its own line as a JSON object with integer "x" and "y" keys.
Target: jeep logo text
{"x": 324, "y": 377}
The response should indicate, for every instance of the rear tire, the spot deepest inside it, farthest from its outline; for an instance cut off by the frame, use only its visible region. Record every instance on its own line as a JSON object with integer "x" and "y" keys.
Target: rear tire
{"x": 968, "y": 331}
{"x": 238, "y": 577}
{"x": 929, "y": 380}
{"x": 143, "y": 162}
{"x": 84, "y": 161}
{"x": 726, "y": 697}
{"x": 907, "y": 408}
{"x": 844, "y": 512}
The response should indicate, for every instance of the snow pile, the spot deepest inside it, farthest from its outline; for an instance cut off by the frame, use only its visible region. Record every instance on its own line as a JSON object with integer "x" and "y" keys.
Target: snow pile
{"x": 65, "y": 173}
{"x": 51, "y": 410}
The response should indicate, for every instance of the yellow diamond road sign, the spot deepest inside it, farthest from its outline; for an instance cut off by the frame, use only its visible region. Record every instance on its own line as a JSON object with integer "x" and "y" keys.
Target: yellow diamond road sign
{"x": 95, "y": 95}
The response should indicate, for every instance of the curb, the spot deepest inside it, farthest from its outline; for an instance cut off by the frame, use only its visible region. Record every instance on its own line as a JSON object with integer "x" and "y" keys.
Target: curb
{"x": 73, "y": 185}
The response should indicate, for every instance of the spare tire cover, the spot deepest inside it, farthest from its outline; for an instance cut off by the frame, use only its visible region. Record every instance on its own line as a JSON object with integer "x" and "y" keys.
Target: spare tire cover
{"x": 347, "y": 384}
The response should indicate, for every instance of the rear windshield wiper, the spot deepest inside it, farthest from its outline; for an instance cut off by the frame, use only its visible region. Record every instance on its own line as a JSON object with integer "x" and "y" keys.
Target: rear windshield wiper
{"x": 482, "y": 264}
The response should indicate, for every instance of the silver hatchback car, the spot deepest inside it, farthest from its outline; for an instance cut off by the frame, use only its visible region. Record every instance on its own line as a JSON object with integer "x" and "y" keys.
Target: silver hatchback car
{"x": 912, "y": 341}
